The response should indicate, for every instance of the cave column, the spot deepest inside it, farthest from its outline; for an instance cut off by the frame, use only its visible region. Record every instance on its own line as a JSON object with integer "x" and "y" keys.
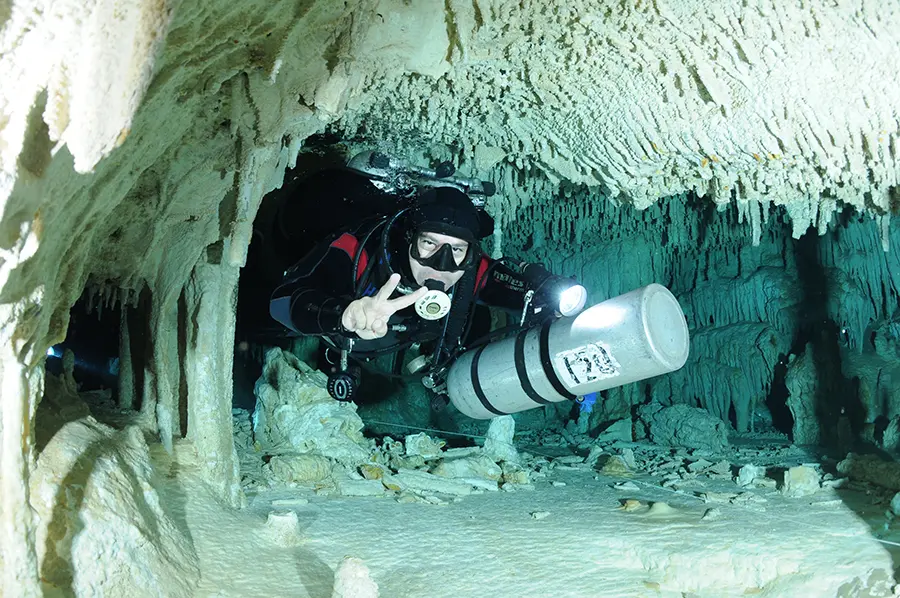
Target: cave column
{"x": 160, "y": 404}
{"x": 20, "y": 392}
{"x": 211, "y": 297}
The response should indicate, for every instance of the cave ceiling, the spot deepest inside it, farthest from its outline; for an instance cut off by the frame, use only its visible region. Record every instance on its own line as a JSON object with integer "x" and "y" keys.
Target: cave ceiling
{"x": 137, "y": 139}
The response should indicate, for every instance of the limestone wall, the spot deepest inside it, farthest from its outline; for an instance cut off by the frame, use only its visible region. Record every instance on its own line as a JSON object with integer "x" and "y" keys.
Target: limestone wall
{"x": 137, "y": 139}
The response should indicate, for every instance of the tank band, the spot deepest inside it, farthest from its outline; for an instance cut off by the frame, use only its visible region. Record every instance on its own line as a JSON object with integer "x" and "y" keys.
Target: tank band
{"x": 522, "y": 371}
{"x": 476, "y": 384}
{"x": 548, "y": 365}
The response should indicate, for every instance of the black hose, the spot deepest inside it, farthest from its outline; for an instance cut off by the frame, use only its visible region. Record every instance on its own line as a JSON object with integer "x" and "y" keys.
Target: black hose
{"x": 487, "y": 274}
{"x": 357, "y": 283}
{"x": 458, "y": 319}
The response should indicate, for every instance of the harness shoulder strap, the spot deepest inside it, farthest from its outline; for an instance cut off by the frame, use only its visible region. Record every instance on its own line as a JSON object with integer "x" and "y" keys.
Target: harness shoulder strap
{"x": 349, "y": 243}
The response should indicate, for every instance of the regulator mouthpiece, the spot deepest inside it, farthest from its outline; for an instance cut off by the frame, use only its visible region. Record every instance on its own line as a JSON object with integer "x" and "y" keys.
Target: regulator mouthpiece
{"x": 435, "y": 304}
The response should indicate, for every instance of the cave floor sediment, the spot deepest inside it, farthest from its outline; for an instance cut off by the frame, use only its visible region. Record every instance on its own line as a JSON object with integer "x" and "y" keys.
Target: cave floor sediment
{"x": 571, "y": 536}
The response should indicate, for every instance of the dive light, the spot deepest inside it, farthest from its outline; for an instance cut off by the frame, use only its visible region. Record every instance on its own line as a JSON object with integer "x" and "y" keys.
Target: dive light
{"x": 565, "y": 294}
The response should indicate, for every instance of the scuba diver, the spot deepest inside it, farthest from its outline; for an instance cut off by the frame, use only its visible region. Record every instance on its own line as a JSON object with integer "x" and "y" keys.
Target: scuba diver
{"x": 406, "y": 280}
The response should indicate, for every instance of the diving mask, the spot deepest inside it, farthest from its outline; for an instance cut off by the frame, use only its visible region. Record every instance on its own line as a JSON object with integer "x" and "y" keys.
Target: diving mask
{"x": 441, "y": 260}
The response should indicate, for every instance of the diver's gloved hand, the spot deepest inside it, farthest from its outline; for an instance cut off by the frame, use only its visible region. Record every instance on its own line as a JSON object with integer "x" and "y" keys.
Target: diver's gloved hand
{"x": 368, "y": 316}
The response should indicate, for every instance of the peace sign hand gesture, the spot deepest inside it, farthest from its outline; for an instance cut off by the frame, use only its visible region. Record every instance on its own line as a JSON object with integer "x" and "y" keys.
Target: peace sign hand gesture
{"x": 368, "y": 316}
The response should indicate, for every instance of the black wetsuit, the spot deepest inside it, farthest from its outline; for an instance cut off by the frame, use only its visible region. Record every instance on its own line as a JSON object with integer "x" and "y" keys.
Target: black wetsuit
{"x": 316, "y": 291}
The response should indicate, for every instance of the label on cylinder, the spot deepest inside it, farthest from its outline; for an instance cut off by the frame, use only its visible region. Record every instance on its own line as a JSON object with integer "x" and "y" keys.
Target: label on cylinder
{"x": 586, "y": 364}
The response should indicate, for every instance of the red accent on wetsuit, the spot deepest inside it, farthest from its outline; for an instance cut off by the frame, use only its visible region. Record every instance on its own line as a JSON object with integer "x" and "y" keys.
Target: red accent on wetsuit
{"x": 480, "y": 280}
{"x": 350, "y": 244}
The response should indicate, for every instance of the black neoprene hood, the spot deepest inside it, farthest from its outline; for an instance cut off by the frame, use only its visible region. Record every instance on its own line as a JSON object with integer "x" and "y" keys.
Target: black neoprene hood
{"x": 449, "y": 211}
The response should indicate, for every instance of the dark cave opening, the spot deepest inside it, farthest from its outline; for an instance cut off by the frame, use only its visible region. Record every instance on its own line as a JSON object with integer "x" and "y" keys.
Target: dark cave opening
{"x": 776, "y": 400}
{"x": 318, "y": 198}
{"x": 836, "y": 400}
{"x": 81, "y": 373}
{"x": 93, "y": 338}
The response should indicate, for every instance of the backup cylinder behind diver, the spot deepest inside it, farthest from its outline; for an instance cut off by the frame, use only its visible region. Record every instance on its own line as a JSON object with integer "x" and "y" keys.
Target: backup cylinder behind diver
{"x": 631, "y": 337}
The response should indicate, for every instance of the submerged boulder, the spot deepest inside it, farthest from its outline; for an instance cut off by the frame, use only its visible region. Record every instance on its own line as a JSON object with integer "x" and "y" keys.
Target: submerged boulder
{"x": 684, "y": 426}
{"x": 101, "y": 529}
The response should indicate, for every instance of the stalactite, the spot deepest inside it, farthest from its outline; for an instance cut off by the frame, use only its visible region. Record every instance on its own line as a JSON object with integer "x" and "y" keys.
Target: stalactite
{"x": 90, "y": 293}
{"x": 126, "y": 364}
{"x": 98, "y": 306}
{"x": 865, "y": 280}
{"x": 715, "y": 127}
{"x": 730, "y": 367}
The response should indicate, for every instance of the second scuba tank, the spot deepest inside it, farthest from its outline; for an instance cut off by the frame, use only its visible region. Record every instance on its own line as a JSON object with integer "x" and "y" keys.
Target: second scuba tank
{"x": 631, "y": 337}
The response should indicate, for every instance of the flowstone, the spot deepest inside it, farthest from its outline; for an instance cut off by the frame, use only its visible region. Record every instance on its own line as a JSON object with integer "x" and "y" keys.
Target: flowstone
{"x": 295, "y": 413}
{"x": 101, "y": 529}
{"x": 498, "y": 443}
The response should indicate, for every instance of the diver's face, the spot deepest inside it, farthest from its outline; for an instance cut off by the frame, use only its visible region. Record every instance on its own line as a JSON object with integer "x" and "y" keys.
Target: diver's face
{"x": 428, "y": 244}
